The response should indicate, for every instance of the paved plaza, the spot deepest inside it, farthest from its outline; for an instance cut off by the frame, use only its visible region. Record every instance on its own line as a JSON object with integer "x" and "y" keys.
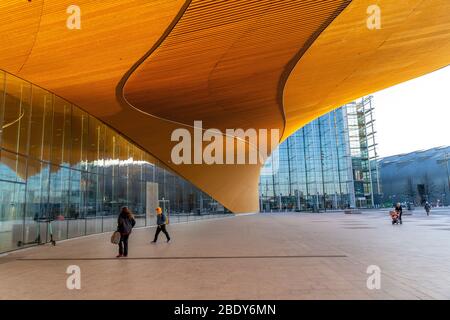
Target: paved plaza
{"x": 262, "y": 256}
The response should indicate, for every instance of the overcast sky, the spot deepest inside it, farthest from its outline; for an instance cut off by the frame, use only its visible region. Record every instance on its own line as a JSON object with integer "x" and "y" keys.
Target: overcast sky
{"x": 414, "y": 115}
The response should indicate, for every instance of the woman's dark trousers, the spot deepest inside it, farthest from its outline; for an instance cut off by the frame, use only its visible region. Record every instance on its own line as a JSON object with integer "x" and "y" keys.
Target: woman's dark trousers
{"x": 123, "y": 245}
{"x": 163, "y": 229}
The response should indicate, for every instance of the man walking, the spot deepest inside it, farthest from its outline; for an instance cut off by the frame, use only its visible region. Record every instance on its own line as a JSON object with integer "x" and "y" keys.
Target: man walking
{"x": 427, "y": 207}
{"x": 161, "y": 222}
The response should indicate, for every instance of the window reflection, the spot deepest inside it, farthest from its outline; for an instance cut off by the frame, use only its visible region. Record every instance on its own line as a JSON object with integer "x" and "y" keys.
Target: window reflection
{"x": 12, "y": 167}
{"x": 16, "y": 115}
{"x": 41, "y": 124}
{"x": 60, "y": 165}
{"x": 61, "y": 134}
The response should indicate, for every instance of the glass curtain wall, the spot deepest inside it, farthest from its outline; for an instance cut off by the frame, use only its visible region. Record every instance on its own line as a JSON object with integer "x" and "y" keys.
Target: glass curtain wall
{"x": 66, "y": 174}
{"x": 328, "y": 164}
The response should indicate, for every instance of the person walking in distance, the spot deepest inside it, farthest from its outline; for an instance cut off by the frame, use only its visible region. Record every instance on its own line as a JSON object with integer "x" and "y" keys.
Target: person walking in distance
{"x": 399, "y": 210}
{"x": 125, "y": 224}
{"x": 161, "y": 222}
{"x": 427, "y": 208}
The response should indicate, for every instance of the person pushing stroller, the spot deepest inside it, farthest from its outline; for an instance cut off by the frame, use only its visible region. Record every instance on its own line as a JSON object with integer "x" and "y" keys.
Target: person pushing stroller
{"x": 396, "y": 214}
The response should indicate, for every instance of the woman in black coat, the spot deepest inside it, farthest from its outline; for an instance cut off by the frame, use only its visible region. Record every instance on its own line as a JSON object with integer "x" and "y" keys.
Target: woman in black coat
{"x": 125, "y": 224}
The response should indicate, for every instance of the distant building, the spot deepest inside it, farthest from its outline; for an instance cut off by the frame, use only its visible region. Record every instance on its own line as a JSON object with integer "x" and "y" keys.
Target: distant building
{"x": 328, "y": 164}
{"x": 417, "y": 177}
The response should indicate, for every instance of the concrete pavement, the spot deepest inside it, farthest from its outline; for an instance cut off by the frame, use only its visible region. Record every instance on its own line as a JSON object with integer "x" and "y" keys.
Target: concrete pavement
{"x": 263, "y": 256}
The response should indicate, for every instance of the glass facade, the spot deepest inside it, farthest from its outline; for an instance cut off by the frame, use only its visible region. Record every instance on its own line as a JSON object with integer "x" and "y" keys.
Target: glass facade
{"x": 65, "y": 173}
{"x": 417, "y": 177}
{"x": 328, "y": 164}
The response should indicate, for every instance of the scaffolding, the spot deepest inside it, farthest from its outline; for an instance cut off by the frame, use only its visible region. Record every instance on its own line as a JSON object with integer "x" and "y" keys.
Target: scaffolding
{"x": 363, "y": 150}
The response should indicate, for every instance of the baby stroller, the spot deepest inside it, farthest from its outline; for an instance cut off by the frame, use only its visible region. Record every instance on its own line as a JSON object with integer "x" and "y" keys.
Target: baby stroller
{"x": 395, "y": 217}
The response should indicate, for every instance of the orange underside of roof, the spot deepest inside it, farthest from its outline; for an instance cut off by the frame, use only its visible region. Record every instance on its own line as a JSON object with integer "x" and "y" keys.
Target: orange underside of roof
{"x": 149, "y": 67}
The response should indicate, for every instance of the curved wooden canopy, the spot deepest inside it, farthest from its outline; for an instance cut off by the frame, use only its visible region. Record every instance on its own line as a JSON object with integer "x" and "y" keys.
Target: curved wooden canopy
{"x": 349, "y": 60}
{"x": 149, "y": 67}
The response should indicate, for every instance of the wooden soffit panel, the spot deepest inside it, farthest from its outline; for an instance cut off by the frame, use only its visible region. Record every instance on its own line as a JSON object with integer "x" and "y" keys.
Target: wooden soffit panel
{"x": 90, "y": 66}
{"x": 349, "y": 60}
{"x": 225, "y": 62}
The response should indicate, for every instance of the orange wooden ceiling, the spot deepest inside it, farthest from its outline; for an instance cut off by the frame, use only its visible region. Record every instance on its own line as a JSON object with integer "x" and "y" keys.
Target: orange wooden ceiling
{"x": 224, "y": 62}
{"x": 149, "y": 67}
{"x": 349, "y": 61}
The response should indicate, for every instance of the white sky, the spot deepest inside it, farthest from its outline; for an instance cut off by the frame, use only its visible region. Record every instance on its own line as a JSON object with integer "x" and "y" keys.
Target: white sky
{"x": 414, "y": 115}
